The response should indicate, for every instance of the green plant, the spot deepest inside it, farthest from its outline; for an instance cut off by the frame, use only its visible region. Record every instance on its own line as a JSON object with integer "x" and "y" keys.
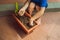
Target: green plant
{"x": 16, "y": 7}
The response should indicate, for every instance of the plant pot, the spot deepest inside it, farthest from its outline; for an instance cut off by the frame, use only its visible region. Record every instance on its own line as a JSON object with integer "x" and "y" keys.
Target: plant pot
{"x": 27, "y": 29}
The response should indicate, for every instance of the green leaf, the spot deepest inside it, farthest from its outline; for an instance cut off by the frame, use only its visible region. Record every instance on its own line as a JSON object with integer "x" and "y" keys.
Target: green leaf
{"x": 16, "y": 7}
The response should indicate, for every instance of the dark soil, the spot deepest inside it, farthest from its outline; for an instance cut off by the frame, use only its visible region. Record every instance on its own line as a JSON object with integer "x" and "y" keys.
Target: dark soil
{"x": 34, "y": 12}
{"x": 25, "y": 21}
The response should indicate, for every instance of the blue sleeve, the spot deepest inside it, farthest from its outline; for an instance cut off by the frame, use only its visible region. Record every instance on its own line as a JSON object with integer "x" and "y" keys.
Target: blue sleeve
{"x": 43, "y": 3}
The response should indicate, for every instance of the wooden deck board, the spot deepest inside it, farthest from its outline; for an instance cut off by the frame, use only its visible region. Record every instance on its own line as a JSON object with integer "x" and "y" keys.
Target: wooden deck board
{"x": 48, "y": 30}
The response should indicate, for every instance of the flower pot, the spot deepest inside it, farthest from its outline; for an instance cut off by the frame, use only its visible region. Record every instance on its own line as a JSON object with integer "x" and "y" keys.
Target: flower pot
{"x": 19, "y": 19}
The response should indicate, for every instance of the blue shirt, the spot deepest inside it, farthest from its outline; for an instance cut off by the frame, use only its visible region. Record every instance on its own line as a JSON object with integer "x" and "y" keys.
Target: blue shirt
{"x": 41, "y": 3}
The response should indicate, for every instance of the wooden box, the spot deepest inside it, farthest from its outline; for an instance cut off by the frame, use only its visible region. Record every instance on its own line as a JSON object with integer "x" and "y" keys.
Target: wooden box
{"x": 27, "y": 30}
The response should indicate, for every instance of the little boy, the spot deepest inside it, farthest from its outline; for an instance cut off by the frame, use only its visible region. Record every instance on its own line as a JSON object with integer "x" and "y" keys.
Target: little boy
{"x": 40, "y": 6}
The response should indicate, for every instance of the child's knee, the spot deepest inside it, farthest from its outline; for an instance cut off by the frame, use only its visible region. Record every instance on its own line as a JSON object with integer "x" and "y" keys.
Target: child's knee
{"x": 32, "y": 5}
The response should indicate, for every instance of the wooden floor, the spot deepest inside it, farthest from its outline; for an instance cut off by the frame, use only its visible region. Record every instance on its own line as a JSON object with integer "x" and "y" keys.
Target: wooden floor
{"x": 48, "y": 30}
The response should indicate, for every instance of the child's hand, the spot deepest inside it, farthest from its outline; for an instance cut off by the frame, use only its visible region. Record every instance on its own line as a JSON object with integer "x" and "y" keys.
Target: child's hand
{"x": 31, "y": 22}
{"x": 21, "y": 12}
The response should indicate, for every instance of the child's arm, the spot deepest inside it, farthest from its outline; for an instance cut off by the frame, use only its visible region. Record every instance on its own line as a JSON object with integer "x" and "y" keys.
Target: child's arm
{"x": 22, "y": 10}
{"x": 38, "y": 14}
{"x": 26, "y": 5}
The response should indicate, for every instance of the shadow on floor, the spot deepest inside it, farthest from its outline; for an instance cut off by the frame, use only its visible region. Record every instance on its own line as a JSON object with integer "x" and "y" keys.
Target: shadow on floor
{"x": 13, "y": 24}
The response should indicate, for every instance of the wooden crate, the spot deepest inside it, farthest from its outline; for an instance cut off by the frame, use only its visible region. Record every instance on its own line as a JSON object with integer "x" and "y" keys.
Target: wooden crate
{"x": 23, "y": 26}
